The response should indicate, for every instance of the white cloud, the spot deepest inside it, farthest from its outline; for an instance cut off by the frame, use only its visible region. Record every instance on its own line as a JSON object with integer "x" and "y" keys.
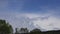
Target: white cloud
{"x": 48, "y": 24}
{"x": 44, "y": 22}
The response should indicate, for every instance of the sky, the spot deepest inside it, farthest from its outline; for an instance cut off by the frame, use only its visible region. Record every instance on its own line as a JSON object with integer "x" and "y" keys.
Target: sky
{"x": 42, "y": 14}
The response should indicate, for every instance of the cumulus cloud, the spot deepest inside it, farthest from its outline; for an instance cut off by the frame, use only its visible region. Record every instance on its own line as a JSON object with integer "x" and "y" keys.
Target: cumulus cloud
{"x": 44, "y": 22}
{"x": 48, "y": 24}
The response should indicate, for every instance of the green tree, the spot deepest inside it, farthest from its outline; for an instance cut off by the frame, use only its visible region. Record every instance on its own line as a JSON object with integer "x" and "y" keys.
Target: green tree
{"x": 5, "y": 28}
{"x": 35, "y": 31}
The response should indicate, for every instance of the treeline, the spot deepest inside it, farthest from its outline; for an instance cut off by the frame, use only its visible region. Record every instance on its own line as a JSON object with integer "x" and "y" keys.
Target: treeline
{"x": 6, "y": 28}
{"x": 36, "y": 31}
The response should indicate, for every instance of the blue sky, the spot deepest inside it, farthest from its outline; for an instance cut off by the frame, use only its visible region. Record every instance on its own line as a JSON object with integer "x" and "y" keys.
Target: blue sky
{"x": 43, "y": 14}
{"x": 33, "y": 6}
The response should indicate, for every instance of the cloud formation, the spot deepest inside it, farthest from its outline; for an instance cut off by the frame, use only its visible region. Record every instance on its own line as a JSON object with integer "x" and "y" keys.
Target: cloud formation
{"x": 31, "y": 21}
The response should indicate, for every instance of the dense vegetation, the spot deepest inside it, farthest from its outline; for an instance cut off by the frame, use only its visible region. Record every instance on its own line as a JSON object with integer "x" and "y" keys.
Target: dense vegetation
{"x": 5, "y": 28}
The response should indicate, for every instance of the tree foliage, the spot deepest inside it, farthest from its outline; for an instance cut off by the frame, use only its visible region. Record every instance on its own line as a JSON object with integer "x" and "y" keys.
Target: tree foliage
{"x": 5, "y": 28}
{"x": 35, "y": 31}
